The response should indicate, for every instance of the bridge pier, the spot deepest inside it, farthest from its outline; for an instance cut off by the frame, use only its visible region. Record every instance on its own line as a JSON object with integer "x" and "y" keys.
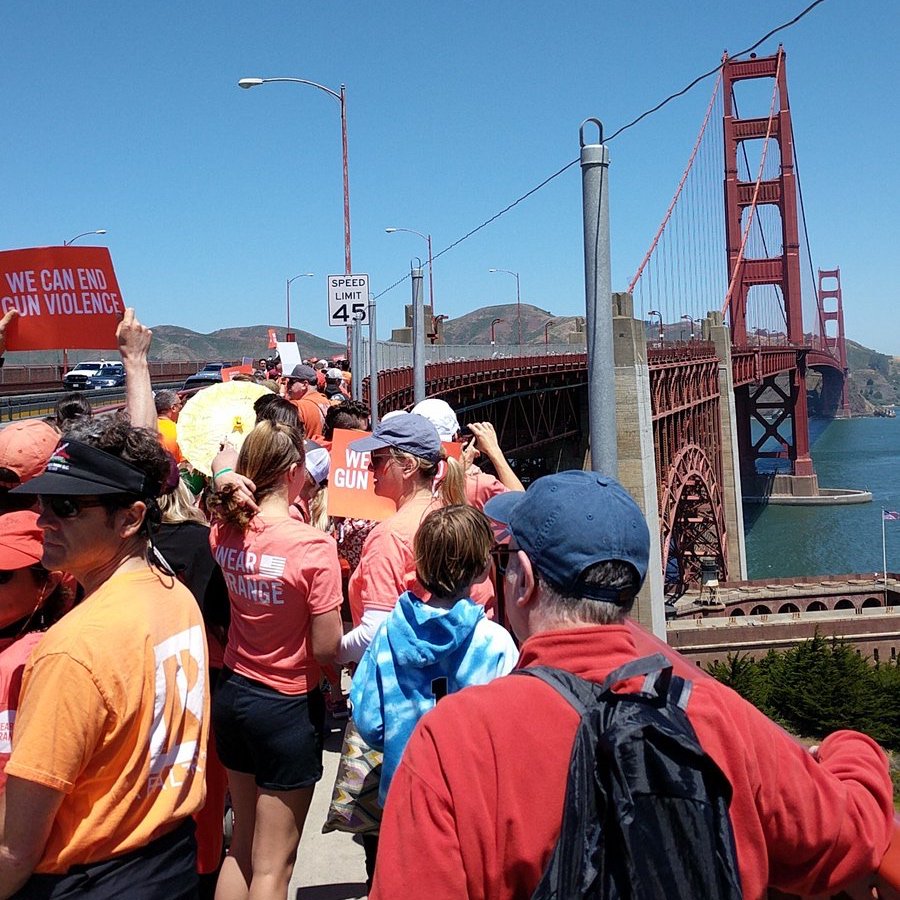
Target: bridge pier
{"x": 637, "y": 458}
{"x": 715, "y": 330}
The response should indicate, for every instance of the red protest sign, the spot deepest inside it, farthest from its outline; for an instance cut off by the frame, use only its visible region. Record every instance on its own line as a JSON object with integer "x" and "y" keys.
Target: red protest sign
{"x": 231, "y": 371}
{"x": 66, "y": 297}
{"x": 351, "y": 491}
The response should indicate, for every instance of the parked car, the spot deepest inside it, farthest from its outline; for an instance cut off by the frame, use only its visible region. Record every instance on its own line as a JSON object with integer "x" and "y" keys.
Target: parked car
{"x": 211, "y": 373}
{"x": 77, "y": 379}
{"x": 111, "y": 375}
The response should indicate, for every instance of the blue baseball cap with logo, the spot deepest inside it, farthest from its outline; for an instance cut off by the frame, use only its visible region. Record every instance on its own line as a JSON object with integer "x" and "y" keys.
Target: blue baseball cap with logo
{"x": 409, "y": 432}
{"x": 567, "y": 522}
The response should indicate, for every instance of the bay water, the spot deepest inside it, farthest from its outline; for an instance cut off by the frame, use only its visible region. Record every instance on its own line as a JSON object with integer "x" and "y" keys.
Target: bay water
{"x": 784, "y": 541}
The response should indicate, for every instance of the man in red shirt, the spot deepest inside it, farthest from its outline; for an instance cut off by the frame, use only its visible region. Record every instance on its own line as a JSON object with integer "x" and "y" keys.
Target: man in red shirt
{"x": 476, "y": 805}
{"x": 312, "y": 405}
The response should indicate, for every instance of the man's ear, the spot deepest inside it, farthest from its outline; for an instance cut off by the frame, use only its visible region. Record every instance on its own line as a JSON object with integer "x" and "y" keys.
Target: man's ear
{"x": 130, "y": 518}
{"x": 528, "y": 592}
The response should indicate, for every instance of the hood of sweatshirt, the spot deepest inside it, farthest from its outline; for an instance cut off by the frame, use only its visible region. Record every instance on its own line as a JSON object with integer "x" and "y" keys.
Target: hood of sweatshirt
{"x": 420, "y": 635}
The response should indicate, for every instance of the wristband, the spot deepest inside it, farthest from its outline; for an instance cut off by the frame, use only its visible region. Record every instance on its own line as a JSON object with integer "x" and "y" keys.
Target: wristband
{"x": 221, "y": 472}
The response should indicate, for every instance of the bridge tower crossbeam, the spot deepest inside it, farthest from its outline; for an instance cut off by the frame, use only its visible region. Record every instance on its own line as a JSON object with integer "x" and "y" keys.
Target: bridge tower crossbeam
{"x": 829, "y": 291}
{"x": 782, "y": 270}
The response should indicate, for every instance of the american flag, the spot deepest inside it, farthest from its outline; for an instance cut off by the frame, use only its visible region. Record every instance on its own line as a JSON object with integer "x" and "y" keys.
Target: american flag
{"x": 273, "y": 566}
{"x": 890, "y": 515}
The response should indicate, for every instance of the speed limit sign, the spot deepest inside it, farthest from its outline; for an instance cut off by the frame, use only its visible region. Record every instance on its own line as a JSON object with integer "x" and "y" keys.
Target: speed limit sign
{"x": 348, "y": 300}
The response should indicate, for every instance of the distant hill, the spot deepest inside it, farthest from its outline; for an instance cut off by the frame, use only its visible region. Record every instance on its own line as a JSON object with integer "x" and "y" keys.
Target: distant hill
{"x": 475, "y": 327}
{"x": 171, "y": 343}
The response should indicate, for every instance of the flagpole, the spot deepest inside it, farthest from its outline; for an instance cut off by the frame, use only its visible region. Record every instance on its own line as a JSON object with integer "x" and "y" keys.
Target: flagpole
{"x": 884, "y": 556}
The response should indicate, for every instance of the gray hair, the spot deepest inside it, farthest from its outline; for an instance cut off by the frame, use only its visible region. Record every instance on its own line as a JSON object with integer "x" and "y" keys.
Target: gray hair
{"x": 165, "y": 400}
{"x": 565, "y": 610}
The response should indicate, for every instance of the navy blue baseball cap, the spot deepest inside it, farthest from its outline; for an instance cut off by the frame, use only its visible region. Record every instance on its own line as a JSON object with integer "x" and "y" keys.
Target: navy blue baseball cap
{"x": 410, "y": 433}
{"x": 567, "y": 522}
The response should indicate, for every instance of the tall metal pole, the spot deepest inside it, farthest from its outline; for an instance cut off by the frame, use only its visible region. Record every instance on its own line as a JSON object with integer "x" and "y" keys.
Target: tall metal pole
{"x": 348, "y": 265}
{"x": 418, "y": 334}
{"x": 598, "y": 303}
{"x": 287, "y": 286}
{"x": 357, "y": 372}
{"x": 431, "y": 282}
{"x": 373, "y": 365}
{"x": 519, "y": 311}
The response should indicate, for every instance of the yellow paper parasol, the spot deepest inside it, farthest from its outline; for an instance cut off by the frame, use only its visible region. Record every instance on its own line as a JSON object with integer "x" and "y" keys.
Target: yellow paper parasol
{"x": 218, "y": 413}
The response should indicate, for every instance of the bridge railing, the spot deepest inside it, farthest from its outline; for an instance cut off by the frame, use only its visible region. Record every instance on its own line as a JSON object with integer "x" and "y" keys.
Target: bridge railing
{"x": 392, "y": 355}
{"x": 395, "y": 386}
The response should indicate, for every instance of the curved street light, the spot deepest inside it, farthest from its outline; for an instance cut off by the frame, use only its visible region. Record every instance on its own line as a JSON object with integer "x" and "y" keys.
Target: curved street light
{"x": 518, "y": 301}
{"x": 692, "y": 320}
{"x": 494, "y": 324}
{"x": 83, "y": 234}
{"x": 427, "y": 239}
{"x": 288, "y": 284}
{"x": 656, "y": 312}
{"x": 341, "y": 97}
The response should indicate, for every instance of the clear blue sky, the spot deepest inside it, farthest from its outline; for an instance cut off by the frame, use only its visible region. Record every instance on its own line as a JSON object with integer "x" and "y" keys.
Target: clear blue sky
{"x": 128, "y": 117}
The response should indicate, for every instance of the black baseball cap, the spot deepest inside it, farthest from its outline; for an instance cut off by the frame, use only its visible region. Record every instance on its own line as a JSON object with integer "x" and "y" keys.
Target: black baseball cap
{"x": 80, "y": 470}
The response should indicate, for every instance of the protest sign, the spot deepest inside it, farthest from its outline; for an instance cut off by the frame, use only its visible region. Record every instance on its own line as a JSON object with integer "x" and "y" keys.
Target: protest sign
{"x": 290, "y": 356}
{"x": 67, "y": 297}
{"x": 351, "y": 491}
{"x": 231, "y": 371}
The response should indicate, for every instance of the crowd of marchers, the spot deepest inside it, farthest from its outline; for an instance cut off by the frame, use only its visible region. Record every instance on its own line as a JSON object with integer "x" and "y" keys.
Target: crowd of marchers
{"x": 172, "y": 645}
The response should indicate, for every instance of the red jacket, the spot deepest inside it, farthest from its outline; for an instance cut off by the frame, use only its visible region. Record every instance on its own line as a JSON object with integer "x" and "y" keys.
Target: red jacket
{"x": 475, "y": 807}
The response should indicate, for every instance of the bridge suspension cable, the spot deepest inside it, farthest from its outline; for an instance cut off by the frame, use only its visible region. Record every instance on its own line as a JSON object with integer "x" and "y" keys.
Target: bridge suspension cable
{"x": 682, "y": 275}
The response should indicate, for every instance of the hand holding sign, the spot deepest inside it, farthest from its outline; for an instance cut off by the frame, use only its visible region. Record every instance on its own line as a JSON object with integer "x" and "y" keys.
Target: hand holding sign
{"x": 132, "y": 337}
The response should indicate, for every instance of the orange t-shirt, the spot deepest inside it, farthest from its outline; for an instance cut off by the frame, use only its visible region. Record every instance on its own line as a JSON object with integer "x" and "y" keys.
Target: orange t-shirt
{"x": 168, "y": 432}
{"x": 387, "y": 565}
{"x": 312, "y": 409}
{"x": 114, "y": 713}
{"x": 280, "y": 573}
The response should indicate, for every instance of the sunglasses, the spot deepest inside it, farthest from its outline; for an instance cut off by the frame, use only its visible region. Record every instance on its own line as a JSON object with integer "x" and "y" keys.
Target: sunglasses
{"x": 66, "y": 507}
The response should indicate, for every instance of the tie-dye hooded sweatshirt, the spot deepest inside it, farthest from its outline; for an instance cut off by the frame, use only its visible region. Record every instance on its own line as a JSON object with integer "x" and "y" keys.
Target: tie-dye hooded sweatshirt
{"x": 418, "y": 655}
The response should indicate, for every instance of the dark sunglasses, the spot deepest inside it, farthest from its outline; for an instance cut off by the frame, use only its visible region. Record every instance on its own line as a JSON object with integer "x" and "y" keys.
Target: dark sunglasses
{"x": 66, "y": 507}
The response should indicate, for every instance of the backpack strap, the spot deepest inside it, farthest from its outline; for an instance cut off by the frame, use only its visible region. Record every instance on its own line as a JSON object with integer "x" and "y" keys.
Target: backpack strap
{"x": 579, "y": 693}
{"x": 659, "y": 683}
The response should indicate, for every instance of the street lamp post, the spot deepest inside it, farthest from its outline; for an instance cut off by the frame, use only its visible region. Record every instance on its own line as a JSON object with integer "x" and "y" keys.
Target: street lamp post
{"x": 692, "y": 320}
{"x": 427, "y": 239}
{"x": 65, "y": 359}
{"x": 518, "y": 301}
{"x": 341, "y": 97}
{"x": 288, "y": 283}
{"x": 494, "y": 324}
{"x": 83, "y": 234}
{"x": 547, "y": 325}
{"x": 658, "y": 314}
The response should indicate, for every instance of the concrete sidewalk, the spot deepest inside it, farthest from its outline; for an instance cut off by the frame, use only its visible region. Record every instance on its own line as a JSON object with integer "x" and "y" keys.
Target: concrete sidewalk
{"x": 329, "y": 866}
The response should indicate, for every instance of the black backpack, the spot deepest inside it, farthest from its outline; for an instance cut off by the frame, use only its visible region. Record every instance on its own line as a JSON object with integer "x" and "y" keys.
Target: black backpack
{"x": 646, "y": 809}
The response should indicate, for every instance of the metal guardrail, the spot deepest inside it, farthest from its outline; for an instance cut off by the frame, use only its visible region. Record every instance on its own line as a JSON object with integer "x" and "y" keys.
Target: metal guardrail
{"x": 28, "y": 406}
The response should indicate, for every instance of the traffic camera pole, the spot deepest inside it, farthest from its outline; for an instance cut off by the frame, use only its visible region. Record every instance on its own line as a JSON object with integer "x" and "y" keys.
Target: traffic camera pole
{"x": 598, "y": 303}
{"x": 418, "y": 333}
{"x": 373, "y": 365}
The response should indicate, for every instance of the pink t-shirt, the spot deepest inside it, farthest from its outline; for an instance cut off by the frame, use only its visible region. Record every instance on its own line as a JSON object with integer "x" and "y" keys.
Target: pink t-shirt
{"x": 480, "y": 487}
{"x": 387, "y": 566}
{"x": 279, "y": 574}
{"x": 13, "y": 657}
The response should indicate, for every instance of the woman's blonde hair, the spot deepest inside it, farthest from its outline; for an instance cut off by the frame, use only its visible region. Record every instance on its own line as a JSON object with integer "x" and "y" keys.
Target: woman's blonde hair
{"x": 180, "y": 506}
{"x": 267, "y": 453}
{"x": 451, "y": 488}
{"x": 452, "y": 548}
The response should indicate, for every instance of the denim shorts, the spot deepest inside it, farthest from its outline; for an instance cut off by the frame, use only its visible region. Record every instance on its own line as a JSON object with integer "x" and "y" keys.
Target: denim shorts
{"x": 275, "y": 737}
